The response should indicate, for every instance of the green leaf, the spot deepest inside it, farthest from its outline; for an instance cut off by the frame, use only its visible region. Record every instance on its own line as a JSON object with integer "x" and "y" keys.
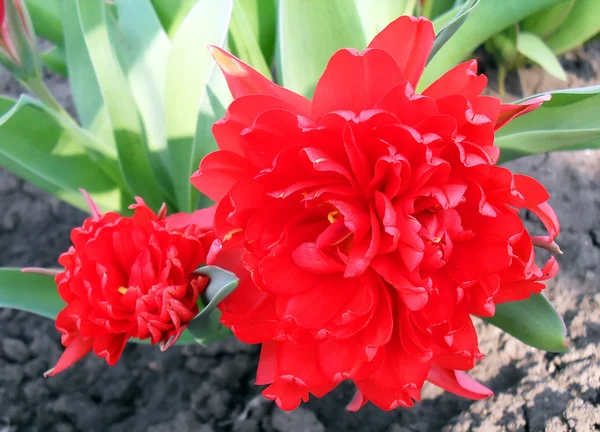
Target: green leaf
{"x": 534, "y": 322}
{"x": 120, "y": 103}
{"x": 47, "y": 19}
{"x": 205, "y": 327}
{"x": 262, "y": 16}
{"x": 503, "y": 46}
{"x": 29, "y": 292}
{"x": 86, "y": 91}
{"x": 172, "y": 13}
{"x": 309, "y": 32}
{"x": 488, "y": 18}
{"x": 547, "y": 21}
{"x": 375, "y": 19}
{"x": 434, "y": 8}
{"x": 534, "y": 48}
{"x": 190, "y": 67}
{"x": 214, "y": 103}
{"x": 452, "y": 27}
{"x": 37, "y": 147}
{"x": 55, "y": 59}
{"x": 581, "y": 25}
{"x": 143, "y": 49}
{"x": 245, "y": 42}
{"x": 568, "y": 122}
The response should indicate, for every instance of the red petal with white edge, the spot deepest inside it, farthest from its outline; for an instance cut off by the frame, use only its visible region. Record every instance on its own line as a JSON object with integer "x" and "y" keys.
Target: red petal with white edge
{"x": 509, "y": 112}
{"x": 461, "y": 80}
{"x": 76, "y": 350}
{"x": 355, "y": 81}
{"x": 358, "y": 401}
{"x": 244, "y": 80}
{"x": 219, "y": 172}
{"x": 458, "y": 382}
{"x": 203, "y": 219}
{"x": 409, "y": 41}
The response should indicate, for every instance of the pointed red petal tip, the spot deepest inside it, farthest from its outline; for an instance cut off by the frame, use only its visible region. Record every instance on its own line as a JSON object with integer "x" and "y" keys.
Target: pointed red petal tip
{"x": 166, "y": 344}
{"x": 550, "y": 246}
{"x": 162, "y": 212}
{"x": 228, "y": 63}
{"x": 76, "y": 350}
{"x": 358, "y": 401}
{"x": 41, "y": 271}
{"x": 94, "y": 210}
{"x": 458, "y": 382}
{"x": 509, "y": 112}
{"x": 243, "y": 80}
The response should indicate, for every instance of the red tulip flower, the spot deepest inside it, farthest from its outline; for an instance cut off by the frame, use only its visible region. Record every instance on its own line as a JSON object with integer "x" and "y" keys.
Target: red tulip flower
{"x": 373, "y": 222}
{"x": 128, "y": 277}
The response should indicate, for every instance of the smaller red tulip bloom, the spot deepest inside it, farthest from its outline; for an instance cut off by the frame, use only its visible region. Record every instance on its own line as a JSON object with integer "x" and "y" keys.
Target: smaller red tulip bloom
{"x": 128, "y": 277}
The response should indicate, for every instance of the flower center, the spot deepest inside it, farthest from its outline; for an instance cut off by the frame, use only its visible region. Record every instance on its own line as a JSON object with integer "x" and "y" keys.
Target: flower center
{"x": 333, "y": 216}
{"x": 122, "y": 290}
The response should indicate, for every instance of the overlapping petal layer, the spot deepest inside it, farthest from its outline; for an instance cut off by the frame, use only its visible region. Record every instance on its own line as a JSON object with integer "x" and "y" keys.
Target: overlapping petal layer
{"x": 372, "y": 222}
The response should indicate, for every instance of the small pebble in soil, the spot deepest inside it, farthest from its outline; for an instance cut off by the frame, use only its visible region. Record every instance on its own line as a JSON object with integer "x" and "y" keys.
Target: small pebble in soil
{"x": 299, "y": 420}
{"x": 15, "y": 350}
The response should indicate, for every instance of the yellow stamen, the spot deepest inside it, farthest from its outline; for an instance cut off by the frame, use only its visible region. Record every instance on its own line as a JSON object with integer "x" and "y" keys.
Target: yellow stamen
{"x": 333, "y": 216}
{"x": 231, "y": 233}
{"x": 437, "y": 240}
{"x": 122, "y": 290}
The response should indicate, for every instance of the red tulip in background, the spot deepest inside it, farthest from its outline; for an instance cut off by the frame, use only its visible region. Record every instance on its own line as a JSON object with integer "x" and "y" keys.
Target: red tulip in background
{"x": 6, "y": 41}
{"x": 372, "y": 222}
{"x": 128, "y": 277}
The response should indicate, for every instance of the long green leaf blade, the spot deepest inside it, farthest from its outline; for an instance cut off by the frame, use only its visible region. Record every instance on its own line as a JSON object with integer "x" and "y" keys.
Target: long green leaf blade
{"x": 29, "y": 292}
{"x": 86, "y": 91}
{"x": 172, "y": 13}
{"x": 547, "y": 21}
{"x": 262, "y": 18}
{"x": 190, "y": 67}
{"x": 35, "y": 146}
{"x": 245, "y": 40}
{"x": 47, "y": 19}
{"x": 534, "y": 48}
{"x": 375, "y": 19}
{"x": 446, "y": 33}
{"x": 309, "y": 32}
{"x": 533, "y": 321}
{"x": 143, "y": 48}
{"x": 488, "y": 18}
{"x": 581, "y": 24}
{"x": 568, "y": 122}
{"x": 122, "y": 110}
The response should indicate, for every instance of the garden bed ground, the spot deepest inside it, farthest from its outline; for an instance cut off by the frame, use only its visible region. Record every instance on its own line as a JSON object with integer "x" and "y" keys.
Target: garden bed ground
{"x": 211, "y": 389}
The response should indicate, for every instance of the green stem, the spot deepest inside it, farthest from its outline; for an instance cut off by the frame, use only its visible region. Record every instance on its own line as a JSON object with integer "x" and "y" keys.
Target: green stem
{"x": 502, "y": 80}
{"x": 38, "y": 87}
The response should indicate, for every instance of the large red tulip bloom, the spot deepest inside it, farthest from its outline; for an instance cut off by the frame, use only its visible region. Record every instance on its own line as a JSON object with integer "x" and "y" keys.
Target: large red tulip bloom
{"x": 128, "y": 277}
{"x": 372, "y": 220}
